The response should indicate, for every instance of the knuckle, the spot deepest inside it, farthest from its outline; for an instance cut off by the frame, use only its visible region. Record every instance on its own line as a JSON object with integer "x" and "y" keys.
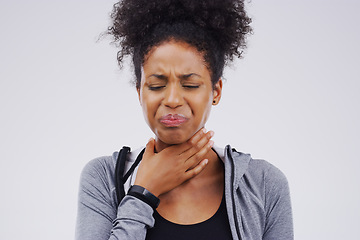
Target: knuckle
{"x": 196, "y": 172}
{"x": 192, "y": 142}
{"x": 200, "y": 133}
{"x": 196, "y": 158}
{"x": 198, "y": 146}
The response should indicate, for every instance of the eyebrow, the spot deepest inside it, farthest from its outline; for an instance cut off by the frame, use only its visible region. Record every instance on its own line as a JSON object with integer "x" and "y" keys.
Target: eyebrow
{"x": 159, "y": 76}
{"x": 182, "y": 77}
{"x": 186, "y": 76}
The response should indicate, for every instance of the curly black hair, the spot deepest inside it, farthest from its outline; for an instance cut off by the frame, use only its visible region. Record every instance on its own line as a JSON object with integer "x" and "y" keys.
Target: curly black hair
{"x": 216, "y": 28}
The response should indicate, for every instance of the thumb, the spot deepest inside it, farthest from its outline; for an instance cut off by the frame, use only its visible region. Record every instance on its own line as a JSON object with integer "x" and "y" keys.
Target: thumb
{"x": 150, "y": 147}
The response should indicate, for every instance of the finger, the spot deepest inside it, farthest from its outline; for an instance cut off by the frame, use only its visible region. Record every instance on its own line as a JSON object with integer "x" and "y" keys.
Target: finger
{"x": 196, "y": 170}
{"x": 197, "y": 136}
{"x": 179, "y": 149}
{"x": 198, "y": 145}
{"x": 199, "y": 156}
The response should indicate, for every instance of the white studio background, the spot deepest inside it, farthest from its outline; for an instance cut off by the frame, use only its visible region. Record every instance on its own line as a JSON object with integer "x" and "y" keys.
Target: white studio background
{"x": 293, "y": 100}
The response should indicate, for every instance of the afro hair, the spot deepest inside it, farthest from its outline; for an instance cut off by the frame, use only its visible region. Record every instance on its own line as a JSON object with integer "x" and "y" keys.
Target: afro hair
{"x": 216, "y": 28}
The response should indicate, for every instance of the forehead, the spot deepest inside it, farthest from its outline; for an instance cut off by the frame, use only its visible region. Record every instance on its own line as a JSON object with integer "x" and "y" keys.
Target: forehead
{"x": 176, "y": 55}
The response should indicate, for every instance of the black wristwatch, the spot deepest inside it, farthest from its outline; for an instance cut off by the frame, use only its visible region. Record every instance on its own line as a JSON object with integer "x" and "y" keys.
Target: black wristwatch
{"x": 144, "y": 195}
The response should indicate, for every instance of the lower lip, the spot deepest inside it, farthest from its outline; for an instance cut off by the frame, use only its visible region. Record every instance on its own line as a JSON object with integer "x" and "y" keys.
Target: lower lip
{"x": 173, "y": 122}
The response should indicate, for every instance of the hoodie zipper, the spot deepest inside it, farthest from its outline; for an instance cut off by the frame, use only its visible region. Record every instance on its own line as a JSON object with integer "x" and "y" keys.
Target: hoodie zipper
{"x": 237, "y": 226}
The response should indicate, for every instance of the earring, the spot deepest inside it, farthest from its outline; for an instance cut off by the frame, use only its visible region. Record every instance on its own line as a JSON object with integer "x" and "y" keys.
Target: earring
{"x": 214, "y": 102}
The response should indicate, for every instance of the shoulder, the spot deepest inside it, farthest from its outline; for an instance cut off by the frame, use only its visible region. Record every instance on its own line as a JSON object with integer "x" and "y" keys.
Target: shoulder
{"x": 99, "y": 166}
{"x": 260, "y": 190}
{"x": 258, "y": 176}
{"x": 98, "y": 173}
{"x": 101, "y": 170}
{"x": 266, "y": 171}
{"x": 273, "y": 194}
{"x": 268, "y": 183}
{"x": 258, "y": 169}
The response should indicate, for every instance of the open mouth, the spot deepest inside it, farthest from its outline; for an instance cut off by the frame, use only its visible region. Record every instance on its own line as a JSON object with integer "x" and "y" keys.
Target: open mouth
{"x": 173, "y": 120}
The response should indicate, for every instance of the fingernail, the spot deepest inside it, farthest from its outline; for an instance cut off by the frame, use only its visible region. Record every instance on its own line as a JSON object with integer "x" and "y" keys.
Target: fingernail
{"x": 211, "y": 143}
{"x": 212, "y": 133}
{"x": 206, "y": 161}
{"x": 204, "y": 130}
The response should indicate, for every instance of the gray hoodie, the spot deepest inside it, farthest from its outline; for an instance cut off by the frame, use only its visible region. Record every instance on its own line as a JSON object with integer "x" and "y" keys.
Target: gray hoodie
{"x": 256, "y": 193}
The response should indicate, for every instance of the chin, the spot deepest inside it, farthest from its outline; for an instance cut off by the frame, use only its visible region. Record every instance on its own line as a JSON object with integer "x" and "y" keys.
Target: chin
{"x": 172, "y": 139}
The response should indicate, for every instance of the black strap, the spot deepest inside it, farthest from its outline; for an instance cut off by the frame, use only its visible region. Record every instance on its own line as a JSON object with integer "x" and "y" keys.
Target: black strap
{"x": 120, "y": 177}
{"x": 119, "y": 172}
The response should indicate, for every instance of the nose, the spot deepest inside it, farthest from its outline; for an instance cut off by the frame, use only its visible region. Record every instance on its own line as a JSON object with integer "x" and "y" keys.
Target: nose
{"x": 173, "y": 96}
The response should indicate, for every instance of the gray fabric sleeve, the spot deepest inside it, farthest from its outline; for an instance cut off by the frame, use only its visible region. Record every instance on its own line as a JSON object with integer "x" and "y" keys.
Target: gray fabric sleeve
{"x": 279, "y": 222}
{"x": 98, "y": 216}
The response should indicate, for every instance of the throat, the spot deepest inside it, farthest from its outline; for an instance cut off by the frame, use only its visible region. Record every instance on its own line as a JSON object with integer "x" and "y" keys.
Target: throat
{"x": 197, "y": 199}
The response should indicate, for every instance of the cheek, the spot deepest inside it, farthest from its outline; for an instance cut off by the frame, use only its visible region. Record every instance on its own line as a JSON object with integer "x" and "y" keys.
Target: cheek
{"x": 207, "y": 110}
{"x": 203, "y": 104}
{"x": 149, "y": 107}
{"x": 144, "y": 106}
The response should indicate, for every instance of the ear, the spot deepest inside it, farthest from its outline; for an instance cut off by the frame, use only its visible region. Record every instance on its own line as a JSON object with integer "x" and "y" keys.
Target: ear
{"x": 217, "y": 92}
{"x": 138, "y": 91}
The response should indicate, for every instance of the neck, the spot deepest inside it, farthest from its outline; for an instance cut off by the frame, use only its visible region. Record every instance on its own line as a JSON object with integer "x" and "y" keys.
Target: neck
{"x": 214, "y": 165}
{"x": 160, "y": 145}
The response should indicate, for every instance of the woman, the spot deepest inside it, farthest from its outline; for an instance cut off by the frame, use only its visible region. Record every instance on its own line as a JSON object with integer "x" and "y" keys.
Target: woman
{"x": 184, "y": 187}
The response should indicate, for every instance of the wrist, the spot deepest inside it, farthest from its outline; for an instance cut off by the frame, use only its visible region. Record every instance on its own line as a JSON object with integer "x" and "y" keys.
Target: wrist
{"x": 148, "y": 186}
{"x": 144, "y": 195}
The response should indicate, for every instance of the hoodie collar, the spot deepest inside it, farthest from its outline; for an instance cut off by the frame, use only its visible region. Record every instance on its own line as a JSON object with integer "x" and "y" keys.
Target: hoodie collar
{"x": 236, "y": 163}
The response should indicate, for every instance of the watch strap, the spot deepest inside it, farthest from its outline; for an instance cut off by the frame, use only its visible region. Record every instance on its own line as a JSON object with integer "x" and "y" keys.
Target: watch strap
{"x": 144, "y": 195}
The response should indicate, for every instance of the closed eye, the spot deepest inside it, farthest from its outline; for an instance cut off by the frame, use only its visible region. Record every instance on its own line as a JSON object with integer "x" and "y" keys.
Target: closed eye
{"x": 191, "y": 86}
{"x": 156, "y": 88}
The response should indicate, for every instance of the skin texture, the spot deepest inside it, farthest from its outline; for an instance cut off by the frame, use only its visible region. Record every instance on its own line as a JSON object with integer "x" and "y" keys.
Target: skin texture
{"x": 176, "y": 80}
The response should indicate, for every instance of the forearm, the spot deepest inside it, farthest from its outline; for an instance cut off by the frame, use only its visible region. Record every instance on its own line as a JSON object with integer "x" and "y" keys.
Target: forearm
{"x": 99, "y": 216}
{"x": 133, "y": 219}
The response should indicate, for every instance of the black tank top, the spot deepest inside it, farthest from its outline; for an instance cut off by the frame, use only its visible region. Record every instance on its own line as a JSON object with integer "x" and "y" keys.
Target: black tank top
{"x": 217, "y": 227}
